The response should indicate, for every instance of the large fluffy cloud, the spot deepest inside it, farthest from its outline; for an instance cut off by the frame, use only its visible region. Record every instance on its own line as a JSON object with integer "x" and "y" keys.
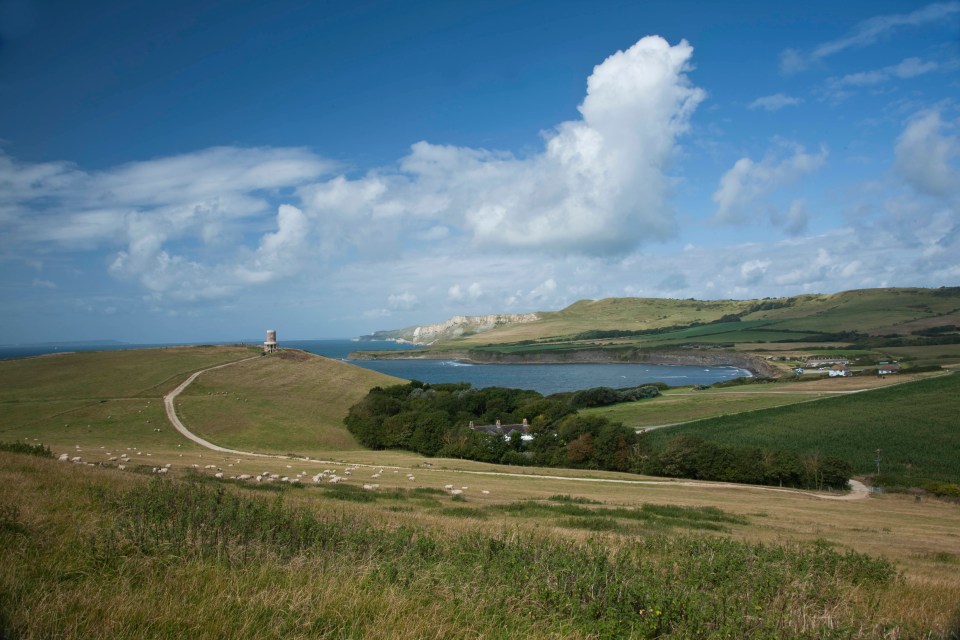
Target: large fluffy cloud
{"x": 598, "y": 186}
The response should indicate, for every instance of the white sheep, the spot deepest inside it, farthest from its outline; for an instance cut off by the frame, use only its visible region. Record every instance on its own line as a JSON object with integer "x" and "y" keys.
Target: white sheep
{"x": 218, "y": 474}
{"x": 456, "y": 492}
{"x": 64, "y": 457}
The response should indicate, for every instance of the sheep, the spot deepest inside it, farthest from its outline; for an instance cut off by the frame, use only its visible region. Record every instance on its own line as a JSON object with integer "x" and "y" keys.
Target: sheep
{"x": 163, "y": 470}
{"x": 76, "y": 460}
{"x": 485, "y": 492}
{"x": 448, "y": 487}
{"x": 218, "y": 474}
{"x": 371, "y": 487}
{"x": 244, "y": 476}
{"x": 64, "y": 457}
{"x": 456, "y": 492}
{"x": 121, "y": 467}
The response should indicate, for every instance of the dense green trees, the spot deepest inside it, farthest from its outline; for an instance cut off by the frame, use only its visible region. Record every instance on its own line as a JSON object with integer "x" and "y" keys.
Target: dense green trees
{"x": 434, "y": 419}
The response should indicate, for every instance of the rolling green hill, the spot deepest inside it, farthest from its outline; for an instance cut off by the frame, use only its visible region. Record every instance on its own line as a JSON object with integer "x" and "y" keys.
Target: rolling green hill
{"x": 870, "y": 321}
{"x": 870, "y": 311}
{"x": 289, "y": 402}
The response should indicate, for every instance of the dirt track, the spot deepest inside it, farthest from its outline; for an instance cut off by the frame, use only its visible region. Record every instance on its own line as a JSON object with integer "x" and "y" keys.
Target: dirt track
{"x": 858, "y": 490}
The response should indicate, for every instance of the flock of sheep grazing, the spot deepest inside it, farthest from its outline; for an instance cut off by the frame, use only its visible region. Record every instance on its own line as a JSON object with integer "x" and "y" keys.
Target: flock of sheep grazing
{"x": 327, "y": 475}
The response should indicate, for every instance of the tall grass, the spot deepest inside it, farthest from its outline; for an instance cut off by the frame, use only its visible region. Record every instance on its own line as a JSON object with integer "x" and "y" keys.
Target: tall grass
{"x": 167, "y": 558}
{"x": 657, "y": 585}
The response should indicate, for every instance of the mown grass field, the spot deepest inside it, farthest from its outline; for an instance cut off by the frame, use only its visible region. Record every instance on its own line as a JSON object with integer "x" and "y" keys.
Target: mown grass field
{"x": 95, "y": 551}
{"x": 914, "y": 425}
{"x": 100, "y": 399}
{"x": 289, "y": 403}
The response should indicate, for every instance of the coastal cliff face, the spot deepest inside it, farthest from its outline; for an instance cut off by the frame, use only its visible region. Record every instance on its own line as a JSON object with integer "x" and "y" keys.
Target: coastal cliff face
{"x": 453, "y": 328}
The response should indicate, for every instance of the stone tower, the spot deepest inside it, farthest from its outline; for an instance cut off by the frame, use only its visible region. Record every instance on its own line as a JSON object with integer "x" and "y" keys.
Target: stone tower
{"x": 270, "y": 345}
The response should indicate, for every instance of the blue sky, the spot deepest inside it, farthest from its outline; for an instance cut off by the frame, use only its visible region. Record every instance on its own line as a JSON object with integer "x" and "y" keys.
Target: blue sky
{"x": 194, "y": 171}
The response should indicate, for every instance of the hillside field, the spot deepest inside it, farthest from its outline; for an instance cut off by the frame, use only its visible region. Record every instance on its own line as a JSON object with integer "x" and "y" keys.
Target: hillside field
{"x": 913, "y": 325}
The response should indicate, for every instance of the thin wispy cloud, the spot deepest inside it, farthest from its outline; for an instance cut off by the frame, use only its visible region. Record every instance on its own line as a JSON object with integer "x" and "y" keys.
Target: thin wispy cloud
{"x": 775, "y": 102}
{"x": 743, "y": 191}
{"x": 867, "y": 33}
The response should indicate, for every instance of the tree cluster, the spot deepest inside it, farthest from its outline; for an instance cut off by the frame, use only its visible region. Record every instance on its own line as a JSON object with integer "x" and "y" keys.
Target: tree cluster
{"x": 692, "y": 457}
{"x": 434, "y": 419}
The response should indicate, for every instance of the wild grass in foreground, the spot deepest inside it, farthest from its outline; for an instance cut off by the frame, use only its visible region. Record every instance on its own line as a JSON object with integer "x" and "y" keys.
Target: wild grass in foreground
{"x": 138, "y": 557}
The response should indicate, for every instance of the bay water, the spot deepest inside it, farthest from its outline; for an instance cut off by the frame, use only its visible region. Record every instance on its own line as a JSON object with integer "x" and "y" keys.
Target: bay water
{"x": 543, "y": 378}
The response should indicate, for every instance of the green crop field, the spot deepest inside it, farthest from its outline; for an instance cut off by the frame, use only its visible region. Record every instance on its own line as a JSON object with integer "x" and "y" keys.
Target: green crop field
{"x": 684, "y": 405}
{"x": 914, "y": 425}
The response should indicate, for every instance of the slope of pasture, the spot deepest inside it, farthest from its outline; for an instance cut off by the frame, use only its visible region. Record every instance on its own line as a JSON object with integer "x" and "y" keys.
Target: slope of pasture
{"x": 685, "y": 404}
{"x": 293, "y": 402}
{"x": 867, "y": 310}
{"x": 864, "y": 310}
{"x": 914, "y": 425}
{"x": 609, "y": 313}
{"x": 102, "y": 398}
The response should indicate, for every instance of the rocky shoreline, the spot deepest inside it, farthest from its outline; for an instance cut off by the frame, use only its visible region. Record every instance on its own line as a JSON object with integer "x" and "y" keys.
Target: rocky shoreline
{"x": 755, "y": 365}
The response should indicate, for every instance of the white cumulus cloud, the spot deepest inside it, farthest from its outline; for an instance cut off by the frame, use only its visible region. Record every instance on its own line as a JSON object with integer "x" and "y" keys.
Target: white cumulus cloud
{"x": 598, "y": 186}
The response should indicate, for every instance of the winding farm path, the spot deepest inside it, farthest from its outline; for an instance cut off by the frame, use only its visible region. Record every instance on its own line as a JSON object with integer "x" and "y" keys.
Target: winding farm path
{"x": 858, "y": 490}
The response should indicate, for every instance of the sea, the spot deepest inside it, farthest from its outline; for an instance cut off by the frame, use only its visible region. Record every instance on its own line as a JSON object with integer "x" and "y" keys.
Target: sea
{"x": 543, "y": 378}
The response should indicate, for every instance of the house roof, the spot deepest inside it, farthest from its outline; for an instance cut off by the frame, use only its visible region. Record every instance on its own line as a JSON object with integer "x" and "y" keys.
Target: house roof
{"x": 501, "y": 429}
